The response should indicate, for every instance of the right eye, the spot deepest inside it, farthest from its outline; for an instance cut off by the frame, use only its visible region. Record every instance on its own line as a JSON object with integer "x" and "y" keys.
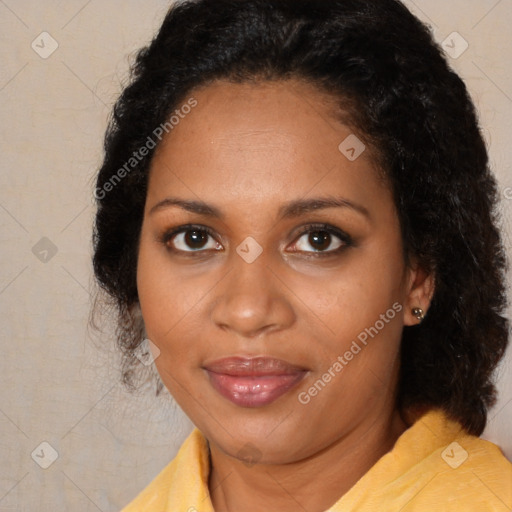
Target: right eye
{"x": 191, "y": 239}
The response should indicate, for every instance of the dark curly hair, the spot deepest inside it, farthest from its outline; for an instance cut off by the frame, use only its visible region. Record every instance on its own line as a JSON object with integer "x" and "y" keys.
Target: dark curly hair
{"x": 390, "y": 77}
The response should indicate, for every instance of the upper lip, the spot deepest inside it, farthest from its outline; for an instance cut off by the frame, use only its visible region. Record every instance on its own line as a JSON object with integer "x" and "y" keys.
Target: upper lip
{"x": 253, "y": 366}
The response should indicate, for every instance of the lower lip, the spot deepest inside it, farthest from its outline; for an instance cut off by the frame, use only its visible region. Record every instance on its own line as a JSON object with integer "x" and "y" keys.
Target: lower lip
{"x": 253, "y": 391}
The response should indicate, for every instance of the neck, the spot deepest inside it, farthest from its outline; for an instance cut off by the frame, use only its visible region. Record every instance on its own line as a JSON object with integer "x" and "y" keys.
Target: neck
{"x": 312, "y": 484}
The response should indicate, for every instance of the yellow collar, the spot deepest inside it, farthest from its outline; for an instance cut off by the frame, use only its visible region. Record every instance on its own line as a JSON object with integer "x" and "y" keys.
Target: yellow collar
{"x": 434, "y": 465}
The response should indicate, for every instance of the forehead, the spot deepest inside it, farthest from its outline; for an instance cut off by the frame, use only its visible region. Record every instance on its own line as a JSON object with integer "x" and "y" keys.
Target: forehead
{"x": 262, "y": 141}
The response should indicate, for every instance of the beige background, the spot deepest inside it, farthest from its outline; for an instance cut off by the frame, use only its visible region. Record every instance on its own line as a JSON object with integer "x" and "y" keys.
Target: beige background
{"x": 57, "y": 385}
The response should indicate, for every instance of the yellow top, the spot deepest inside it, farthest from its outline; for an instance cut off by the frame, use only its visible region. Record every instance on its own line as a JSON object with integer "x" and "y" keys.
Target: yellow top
{"x": 434, "y": 466}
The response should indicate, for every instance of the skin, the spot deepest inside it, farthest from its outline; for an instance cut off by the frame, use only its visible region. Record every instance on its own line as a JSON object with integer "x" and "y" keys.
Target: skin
{"x": 247, "y": 150}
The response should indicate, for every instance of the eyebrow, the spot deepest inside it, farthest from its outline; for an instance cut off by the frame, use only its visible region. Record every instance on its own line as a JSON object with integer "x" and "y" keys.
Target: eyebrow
{"x": 291, "y": 209}
{"x": 302, "y": 206}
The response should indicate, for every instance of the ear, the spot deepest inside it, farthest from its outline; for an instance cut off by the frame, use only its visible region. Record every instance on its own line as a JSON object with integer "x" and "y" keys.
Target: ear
{"x": 420, "y": 286}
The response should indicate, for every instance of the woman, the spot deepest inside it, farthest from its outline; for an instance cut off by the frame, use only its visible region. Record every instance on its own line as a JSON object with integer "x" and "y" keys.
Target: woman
{"x": 295, "y": 208}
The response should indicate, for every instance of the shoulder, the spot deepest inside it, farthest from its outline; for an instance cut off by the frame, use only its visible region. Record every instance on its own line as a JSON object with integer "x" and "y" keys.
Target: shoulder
{"x": 473, "y": 472}
{"x": 156, "y": 495}
{"x": 435, "y": 465}
{"x": 468, "y": 473}
{"x": 454, "y": 470}
{"x": 182, "y": 484}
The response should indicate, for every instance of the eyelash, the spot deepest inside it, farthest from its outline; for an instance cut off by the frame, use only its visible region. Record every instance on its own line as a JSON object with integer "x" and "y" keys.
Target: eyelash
{"x": 345, "y": 239}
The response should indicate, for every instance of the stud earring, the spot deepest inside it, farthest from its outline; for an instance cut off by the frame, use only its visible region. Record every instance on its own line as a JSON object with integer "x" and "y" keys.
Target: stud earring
{"x": 418, "y": 313}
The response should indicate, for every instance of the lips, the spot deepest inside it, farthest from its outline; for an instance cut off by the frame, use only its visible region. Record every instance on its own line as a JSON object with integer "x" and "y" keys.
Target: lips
{"x": 253, "y": 382}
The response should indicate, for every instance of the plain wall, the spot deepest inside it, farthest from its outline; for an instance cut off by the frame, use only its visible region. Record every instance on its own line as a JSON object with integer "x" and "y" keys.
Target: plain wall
{"x": 58, "y": 386}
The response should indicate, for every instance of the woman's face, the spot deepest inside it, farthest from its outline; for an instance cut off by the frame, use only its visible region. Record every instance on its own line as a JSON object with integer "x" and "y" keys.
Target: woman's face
{"x": 271, "y": 274}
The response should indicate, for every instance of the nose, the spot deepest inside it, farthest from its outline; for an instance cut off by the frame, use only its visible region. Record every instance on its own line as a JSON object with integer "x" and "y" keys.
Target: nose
{"x": 250, "y": 300}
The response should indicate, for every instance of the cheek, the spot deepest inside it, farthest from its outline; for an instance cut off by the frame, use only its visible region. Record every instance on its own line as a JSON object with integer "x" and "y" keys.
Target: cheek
{"x": 172, "y": 304}
{"x": 159, "y": 302}
{"x": 162, "y": 307}
{"x": 165, "y": 295}
{"x": 358, "y": 311}
{"x": 352, "y": 298}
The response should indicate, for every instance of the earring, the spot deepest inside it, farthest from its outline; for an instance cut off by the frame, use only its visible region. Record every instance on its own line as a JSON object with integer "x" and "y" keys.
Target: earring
{"x": 418, "y": 313}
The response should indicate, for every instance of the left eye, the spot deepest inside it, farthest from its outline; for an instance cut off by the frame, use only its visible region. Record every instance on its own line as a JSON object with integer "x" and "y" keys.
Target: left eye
{"x": 320, "y": 241}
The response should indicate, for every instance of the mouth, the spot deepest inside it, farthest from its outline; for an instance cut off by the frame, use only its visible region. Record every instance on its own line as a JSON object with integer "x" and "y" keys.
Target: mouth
{"x": 253, "y": 382}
